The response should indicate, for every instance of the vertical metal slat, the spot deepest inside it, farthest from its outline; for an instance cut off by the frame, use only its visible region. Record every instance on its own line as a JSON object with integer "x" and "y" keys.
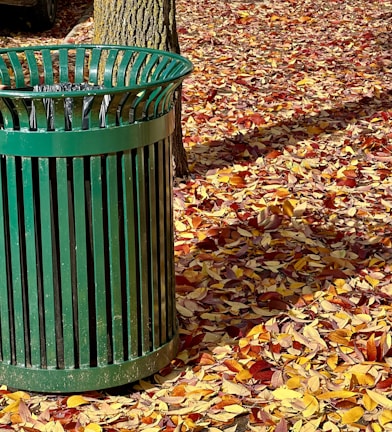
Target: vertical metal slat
{"x": 65, "y": 270}
{"x": 114, "y": 257}
{"x": 17, "y": 306}
{"x": 81, "y": 262}
{"x": 4, "y": 306}
{"x": 142, "y": 252}
{"x": 153, "y": 246}
{"x": 30, "y": 204}
{"x": 47, "y": 262}
{"x": 131, "y": 271}
{"x": 99, "y": 259}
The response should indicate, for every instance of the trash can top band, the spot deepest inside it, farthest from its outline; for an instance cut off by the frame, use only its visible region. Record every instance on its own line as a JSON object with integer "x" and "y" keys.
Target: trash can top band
{"x": 87, "y": 142}
{"x": 117, "y": 68}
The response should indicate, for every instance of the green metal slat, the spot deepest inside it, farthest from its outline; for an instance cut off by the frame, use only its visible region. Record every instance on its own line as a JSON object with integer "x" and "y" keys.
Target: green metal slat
{"x": 161, "y": 68}
{"x": 131, "y": 272}
{"x": 4, "y": 306}
{"x": 147, "y": 70}
{"x": 58, "y": 113}
{"x": 63, "y": 65}
{"x": 142, "y": 252}
{"x": 80, "y": 64}
{"x": 123, "y": 68}
{"x": 77, "y": 109}
{"x": 31, "y": 261}
{"x": 111, "y": 111}
{"x": 9, "y": 116}
{"x": 81, "y": 261}
{"x": 65, "y": 273}
{"x": 153, "y": 245}
{"x": 99, "y": 259}
{"x": 136, "y": 68}
{"x": 18, "y": 69}
{"x": 23, "y": 113}
{"x": 4, "y": 73}
{"x": 170, "y": 284}
{"x": 95, "y": 59}
{"x": 33, "y": 67}
{"x": 16, "y": 264}
{"x": 94, "y": 114}
{"x": 110, "y": 68}
{"x": 48, "y": 66}
{"x": 161, "y": 199}
{"x": 47, "y": 261}
{"x": 114, "y": 257}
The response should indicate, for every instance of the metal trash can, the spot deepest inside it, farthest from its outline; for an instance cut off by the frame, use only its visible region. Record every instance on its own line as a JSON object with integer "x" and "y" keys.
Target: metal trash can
{"x": 87, "y": 294}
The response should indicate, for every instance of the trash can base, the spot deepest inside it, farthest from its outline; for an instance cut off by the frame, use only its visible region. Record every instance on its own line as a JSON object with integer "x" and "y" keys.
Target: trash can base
{"x": 89, "y": 378}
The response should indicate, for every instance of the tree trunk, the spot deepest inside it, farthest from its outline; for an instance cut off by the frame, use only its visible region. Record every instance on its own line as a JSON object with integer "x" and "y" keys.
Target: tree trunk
{"x": 145, "y": 23}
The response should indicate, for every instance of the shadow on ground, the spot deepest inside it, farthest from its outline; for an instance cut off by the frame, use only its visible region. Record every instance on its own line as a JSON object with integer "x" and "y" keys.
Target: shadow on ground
{"x": 15, "y": 21}
{"x": 290, "y": 132}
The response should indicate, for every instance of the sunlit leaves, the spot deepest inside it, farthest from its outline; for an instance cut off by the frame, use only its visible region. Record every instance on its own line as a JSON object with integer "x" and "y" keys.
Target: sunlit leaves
{"x": 283, "y": 249}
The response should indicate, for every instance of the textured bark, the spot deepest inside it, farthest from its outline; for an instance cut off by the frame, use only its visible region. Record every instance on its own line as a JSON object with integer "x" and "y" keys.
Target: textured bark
{"x": 145, "y": 23}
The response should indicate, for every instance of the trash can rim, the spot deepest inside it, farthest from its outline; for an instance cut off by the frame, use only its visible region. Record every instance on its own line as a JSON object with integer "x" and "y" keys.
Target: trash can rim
{"x": 186, "y": 70}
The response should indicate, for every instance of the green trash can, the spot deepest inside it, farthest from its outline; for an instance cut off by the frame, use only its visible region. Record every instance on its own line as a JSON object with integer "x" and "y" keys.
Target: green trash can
{"x": 87, "y": 294}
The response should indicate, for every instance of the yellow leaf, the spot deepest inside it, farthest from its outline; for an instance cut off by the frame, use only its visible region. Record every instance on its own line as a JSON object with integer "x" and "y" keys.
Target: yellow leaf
{"x": 180, "y": 226}
{"x": 297, "y": 426}
{"x": 305, "y": 81}
{"x": 12, "y": 408}
{"x": 377, "y": 428}
{"x": 385, "y": 417}
{"x": 17, "y": 395}
{"x": 373, "y": 282}
{"x": 380, "y": 399}
{"x": 368, "y": 402}
{"x": 243, "y": 375}
{"x": 332, "y": 361}
{"x": 338, "y": 394}
{"x": 294, "y": 382}
{"x": 74, "y": 401}
{"x": 285, "y": 393}
{"x": 364, "y": 379}
{"x": 93, "y": 427}
{"x": 311, "y": 405}
{"x": 288, "y": 208}
{"x": 235, "y": 409}
{"x": 256, "y": 330}
{"x": 352, "y": 415}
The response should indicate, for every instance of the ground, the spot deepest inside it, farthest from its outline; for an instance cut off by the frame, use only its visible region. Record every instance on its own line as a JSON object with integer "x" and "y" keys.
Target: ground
{"x": 283, "y": 229}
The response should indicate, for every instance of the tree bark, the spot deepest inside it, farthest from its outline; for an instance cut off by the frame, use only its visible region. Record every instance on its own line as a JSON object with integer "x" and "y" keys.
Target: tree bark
{"x": 144, "y": 23}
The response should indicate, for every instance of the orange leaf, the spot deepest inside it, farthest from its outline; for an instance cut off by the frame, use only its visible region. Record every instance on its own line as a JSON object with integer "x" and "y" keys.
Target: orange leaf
{"x": 196, "y": 221}
{"x": 233, "y": 365}
{"x": 371, "y": 349}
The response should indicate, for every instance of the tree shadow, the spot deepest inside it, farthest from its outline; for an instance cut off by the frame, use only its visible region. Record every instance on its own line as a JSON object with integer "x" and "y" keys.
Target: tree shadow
{"x": 15, "y": 19}
{"x": 286, "y": 134}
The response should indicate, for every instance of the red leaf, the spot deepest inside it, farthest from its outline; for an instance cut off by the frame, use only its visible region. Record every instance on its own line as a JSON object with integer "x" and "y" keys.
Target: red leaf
{"x": 384, "y": 384}
{"x": 207, "y": 244}
{"x": 350, "y": 182}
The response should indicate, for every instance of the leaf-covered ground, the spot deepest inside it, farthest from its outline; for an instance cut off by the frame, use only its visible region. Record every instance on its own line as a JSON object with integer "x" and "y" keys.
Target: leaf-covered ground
{"x": 283, "y": 231}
